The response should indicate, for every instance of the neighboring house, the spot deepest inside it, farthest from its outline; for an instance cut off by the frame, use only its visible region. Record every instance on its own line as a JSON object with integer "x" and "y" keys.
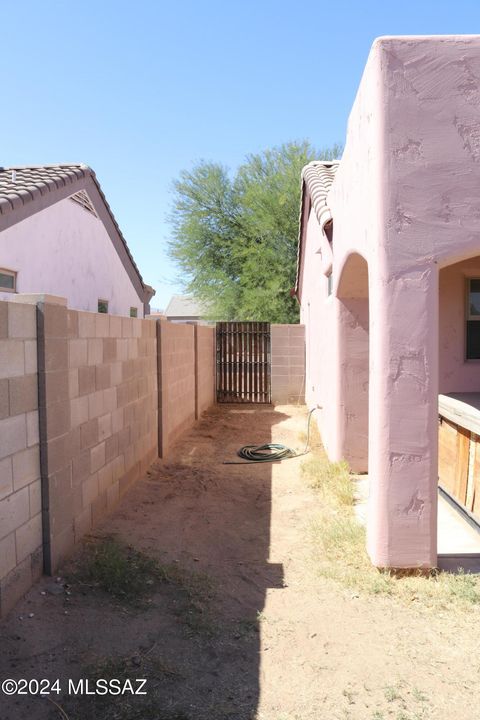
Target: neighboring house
{"x": 183, "y": 308}
{"x": 58, "y": 236}
{"x": 389, "y": 285}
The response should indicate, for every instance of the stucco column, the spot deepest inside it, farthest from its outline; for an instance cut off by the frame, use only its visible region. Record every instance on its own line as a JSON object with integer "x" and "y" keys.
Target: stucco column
{"x": 403, "y": 425}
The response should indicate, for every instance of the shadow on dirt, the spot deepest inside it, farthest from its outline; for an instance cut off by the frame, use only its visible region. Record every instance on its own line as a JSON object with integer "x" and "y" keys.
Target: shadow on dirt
{"x": 193, "y": 538}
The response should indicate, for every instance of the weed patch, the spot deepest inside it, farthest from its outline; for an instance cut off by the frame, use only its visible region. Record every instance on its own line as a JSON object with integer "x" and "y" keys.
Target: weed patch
{"x": 339, "y": 547}
{"x": 130, "y": 577}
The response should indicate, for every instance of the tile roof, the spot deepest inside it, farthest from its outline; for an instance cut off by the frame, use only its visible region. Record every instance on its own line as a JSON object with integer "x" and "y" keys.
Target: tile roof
{"x": 184, "y": 306}
{"x": 43, "y": 185}
{"x": 317, "y": 179}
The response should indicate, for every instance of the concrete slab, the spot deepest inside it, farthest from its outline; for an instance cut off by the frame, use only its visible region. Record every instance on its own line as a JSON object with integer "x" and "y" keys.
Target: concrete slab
{"x": 458, "y": 541}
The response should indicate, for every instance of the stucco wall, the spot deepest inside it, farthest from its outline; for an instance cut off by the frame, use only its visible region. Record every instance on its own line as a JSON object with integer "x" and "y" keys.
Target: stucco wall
{"x": 66, "y": 251}
{"x": 20, "y": 489}
{"x": 288, "y": 363}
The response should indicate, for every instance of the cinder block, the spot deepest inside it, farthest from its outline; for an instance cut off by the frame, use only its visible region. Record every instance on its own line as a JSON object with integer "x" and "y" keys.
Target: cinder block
{"x": 86, "y": 380}
{"x": 115, "y": 373}
{"x": 57, "y": 457}
{"x": 105, "y": 477}
{"x": 72, "y": 323}
{"x": 14, "y": 511}
{"x": 8, "y": 558}
{"x": 102, "y": 377}
{"x": 3, "y": 320}
{"x": 110, "y": 399}
{"x": 115, "y": 326}
{"x": 102, "y": 325}
{"x": 95, "y": 404}
{"x": 90, "y": 490}
{"x": 23, "y": 394}
{"x": 73, "y": 387}
{"x": 13, "y": 435}
{"x": 83, "y": 523}
{"x": 55, "y": 321}
{"x": 79, "y": 411}
{"x": 104, "y": 426}
{"x": 95, "y": 351}
{"x": 15, "y": 585}
{"x": 4, "y": 403}
{"x": 56, "y": 354}
{"x": 127, "y": 327}
{"x": 22, "y": 321}
{"x": 109, "y": 350}
{"x": 56, "y": 386}
{"x": 60, "y": 548}
{"x": 117, "y": 420}
{"x": 31, "y": 360}
{"x": 111, "y": 448}
{"x": 35, "y": 496}
{"x": 80, "y": 467}
{"x": 86, "y": 324}
{"x": 77, "y": 352}
{"x": 6, "y": 478}
{"x": 89, "y": 434}
{"x": 32, "y": 428}
{"x": 72, "y": 444}
{"x": 12, "y": 358}
{"x": 26, "y": 467}
{"x": 58, "y": 419}
{"x": 97, "y": 457}
{"x": 29, "y": 537}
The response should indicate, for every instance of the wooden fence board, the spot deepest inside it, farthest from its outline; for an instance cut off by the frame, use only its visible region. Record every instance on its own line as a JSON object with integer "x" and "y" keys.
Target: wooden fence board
{"x": 243, "y": 362}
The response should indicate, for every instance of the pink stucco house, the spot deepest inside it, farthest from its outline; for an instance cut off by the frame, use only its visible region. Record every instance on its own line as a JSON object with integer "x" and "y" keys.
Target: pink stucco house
{"x": 58, "y": 236}
{"x": 389, "y": 280}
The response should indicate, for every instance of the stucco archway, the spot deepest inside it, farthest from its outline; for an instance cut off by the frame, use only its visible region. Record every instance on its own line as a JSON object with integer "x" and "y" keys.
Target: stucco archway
{"x": 353, "y": 349}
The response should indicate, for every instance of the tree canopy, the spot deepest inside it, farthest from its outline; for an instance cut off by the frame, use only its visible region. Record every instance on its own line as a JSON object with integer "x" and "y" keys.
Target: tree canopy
{"x": 235, "y": 236}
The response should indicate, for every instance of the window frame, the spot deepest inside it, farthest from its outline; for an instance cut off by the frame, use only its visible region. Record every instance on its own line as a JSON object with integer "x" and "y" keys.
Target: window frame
{"x": 103, "y": 302}
{"x": 9, "y": 273}
{"x": 133, "y": 310}
{"x": 468, "y": 317}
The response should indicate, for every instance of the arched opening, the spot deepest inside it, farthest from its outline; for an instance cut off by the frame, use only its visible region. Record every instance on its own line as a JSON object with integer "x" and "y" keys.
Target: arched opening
{"x": 353, "y": 350}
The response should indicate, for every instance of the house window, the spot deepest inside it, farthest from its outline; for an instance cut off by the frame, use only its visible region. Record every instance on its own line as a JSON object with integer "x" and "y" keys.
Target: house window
{"x": 103, "y": 306}
{"x": 8, "y": 280}
{"x": 473, "y": 319}
{"x": 133, "y": 312}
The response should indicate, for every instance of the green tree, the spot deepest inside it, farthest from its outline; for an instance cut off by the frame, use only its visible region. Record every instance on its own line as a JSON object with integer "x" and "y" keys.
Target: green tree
{"x": 235, "y": 238}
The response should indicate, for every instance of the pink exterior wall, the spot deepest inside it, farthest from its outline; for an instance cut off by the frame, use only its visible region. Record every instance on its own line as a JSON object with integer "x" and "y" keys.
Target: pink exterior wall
{"x": 66, "y": 251}
{"x": 406, "y": 199}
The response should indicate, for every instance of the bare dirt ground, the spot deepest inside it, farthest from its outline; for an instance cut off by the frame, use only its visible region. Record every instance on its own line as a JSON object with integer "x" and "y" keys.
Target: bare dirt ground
{"x": 250, "y": 632}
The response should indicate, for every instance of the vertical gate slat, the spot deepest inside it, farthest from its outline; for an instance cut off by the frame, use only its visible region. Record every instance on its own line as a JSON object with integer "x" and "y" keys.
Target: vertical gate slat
{"x": 243, "y": 357}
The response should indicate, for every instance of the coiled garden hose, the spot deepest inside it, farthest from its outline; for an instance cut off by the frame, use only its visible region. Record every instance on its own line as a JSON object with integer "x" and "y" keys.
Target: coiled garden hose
{"x": 270, "y": 452}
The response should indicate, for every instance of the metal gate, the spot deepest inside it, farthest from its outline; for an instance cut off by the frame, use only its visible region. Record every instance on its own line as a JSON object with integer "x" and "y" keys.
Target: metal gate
{"x": 243, "y": 362}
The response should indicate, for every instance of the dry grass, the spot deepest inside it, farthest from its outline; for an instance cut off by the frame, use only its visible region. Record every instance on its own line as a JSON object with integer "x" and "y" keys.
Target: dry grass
{"x": 339, "y": 547}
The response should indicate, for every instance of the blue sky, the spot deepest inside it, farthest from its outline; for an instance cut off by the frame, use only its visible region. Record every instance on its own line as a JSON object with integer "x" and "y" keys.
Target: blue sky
{"x": 141, "y": 90}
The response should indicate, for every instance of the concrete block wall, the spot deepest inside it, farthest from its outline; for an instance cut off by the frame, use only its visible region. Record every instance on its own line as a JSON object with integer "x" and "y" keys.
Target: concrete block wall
{"x": 204, "y": 368}
{"x": 176, "y": 381}
{"x": 288, "y": 363}
{"x": 98, "y": 418}
{"x": 20, "y": 487}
